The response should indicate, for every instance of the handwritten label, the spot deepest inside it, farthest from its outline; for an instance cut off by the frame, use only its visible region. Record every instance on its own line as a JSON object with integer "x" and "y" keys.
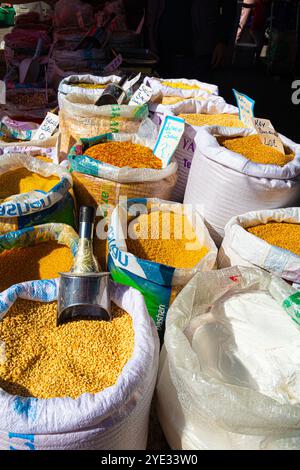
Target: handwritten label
{"x": 168, "y": 139}
{"x": 246, "y": 108}
{"x": 2, "y": 92}
{"x": 141, "y": 96}
{"x": 48, "y": 127}
{"x": 114, "y": 64}
{"x": 268, "y": 134}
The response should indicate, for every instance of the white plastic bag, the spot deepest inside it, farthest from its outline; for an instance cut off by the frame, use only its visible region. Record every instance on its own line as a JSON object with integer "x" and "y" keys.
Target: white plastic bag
{"x": 114, "y": 419}
{"x": 224, "y": 184}
{"x": 47, "y": 147}
{"x": 241, "y": 248}
{"x": 230, "y": 368}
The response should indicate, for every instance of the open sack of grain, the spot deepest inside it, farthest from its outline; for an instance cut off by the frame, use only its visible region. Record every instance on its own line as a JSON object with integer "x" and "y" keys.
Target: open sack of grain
{"x": 85, "y": 385}
{"x": 87, "y": 85}
{"x": 79, "y": 117}
{"x": 229, "y": 374}
{"x": 111, "y": 166}
{"x": 267, "y": 239}
{"x": 156, "y": 247}
{"x": 232, "y": 173}
{"x": 33, "y": 192}
{"x": 211, "y": 111}
{"x": 42, "y": 252}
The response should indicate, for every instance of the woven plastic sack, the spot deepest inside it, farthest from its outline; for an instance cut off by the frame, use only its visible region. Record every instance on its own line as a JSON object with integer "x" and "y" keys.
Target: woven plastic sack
{"x": 115, "y": 419}
{"x": 187, "y": 146}
{"x": 36, "y": 207}
{"x": 79, "y": 117}
{"x": 68, "y": 86}
{"x": 207, "y": 396}
{"x": 61, "y": 233}
{"x": 154, "y": 280}
{"x": 224, "y": 184}
{"x": 241, "y": 248}
{"x": 158, "y": 85}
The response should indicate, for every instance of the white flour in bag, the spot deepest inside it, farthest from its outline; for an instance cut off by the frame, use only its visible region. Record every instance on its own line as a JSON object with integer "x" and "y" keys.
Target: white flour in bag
{"x": 262, "y": 347}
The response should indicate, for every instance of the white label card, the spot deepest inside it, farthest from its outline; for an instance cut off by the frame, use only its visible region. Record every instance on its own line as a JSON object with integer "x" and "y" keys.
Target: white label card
{"x": 268, "y": 134}
{"x": 168, "y": 139}
{"x": 2, "y": 92}
{"x": 246, "y": 108}
{"x": 47, "y": 128}
{"x": 141, "y": 96}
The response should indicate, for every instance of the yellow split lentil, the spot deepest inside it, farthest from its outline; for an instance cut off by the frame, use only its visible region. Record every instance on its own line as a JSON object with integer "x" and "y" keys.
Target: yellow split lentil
{"x": 125, "y": 154}
{"x": 166, "y": 238}
{"x": 185, "y": 86}
{"x": 169, "y": 100}
{"x": 281, "y": 234}
{"x": 226, "y": 120}
{"x": 42, "y": 261}
{"x": 22, "y": 181}
{"x": 252, "y": 148}
{"x": 46, "y": 361}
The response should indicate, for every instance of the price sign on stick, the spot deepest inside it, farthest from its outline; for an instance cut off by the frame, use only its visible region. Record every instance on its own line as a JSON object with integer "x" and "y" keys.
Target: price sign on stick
{"x": 268, "y": 134}
{"x": 246, "y": 108}
{"x": 48, "y": 127}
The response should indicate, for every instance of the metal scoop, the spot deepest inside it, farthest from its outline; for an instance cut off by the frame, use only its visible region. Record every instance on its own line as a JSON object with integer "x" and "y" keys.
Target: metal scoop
{"x": 83, "y": 297}
{"x": 84, "y": 293}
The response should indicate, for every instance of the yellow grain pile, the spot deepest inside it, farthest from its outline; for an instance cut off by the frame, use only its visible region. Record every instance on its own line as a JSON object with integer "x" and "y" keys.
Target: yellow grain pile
{"x": 41, "y": 261}
{"x": 226, "y": 120}
{"x": 185, "y": 86}
{"x": 284, "y": 235}
{"x": 252, "y": 148}
{"x": 169, "y": 100}
{"x": 166, "y": 238}
{"x": 46, "y": 361}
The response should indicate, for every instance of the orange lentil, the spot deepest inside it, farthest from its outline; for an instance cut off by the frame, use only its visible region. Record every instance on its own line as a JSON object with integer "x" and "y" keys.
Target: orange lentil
{"x": 252, "y": 148}
{"x": 124, "y": 154}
